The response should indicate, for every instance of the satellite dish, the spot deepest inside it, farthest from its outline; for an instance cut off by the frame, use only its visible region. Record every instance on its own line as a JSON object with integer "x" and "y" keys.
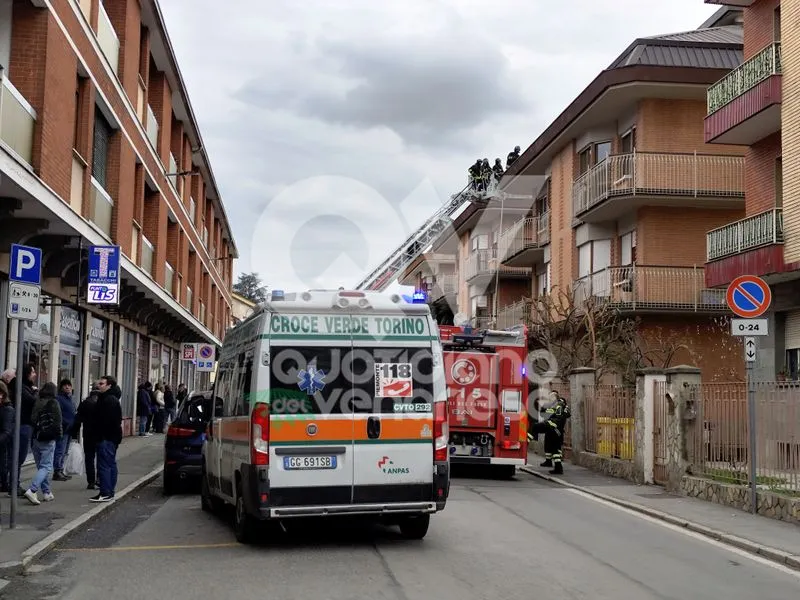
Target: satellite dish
{"x": 460, "y": 319}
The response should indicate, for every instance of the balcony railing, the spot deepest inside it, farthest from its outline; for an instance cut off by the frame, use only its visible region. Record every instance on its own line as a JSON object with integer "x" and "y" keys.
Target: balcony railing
{"x": 147, "y": 256}
{"x": 530, "y": 232}
{"x": 652, "y": 174}
{"x": 745, "y": 77}
{"x": 443, "y": 285}
{"x": 152, "y": 127}
{"x": 647, "y": 287}
{"x": 753, "y": 232}
{"x": 101, "y": 207}
{"x": 107, "y": 38}
{"x": 514, "y": 314}
{"x": 17, "y": 120}
{"x": 141, "y": 102}
{"x": 486, "y": 262}
{"x": 169, "y": 276}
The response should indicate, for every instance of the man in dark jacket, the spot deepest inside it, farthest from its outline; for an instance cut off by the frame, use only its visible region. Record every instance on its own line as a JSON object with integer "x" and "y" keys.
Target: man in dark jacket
{"x": 27, "y": 381}
{"x": 6, "y": 437}
{"x": 84, "y": 417}
{"x": 144, "y": 408}
{"x": 108, "y": 429}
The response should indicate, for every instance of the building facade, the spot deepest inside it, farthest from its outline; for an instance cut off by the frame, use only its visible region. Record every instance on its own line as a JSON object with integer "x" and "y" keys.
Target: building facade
{"x": 747, "y": 107}
{"x": 241, "y": 308}
{"x": 612, "y": 202}
{"x": 99, "y": 145}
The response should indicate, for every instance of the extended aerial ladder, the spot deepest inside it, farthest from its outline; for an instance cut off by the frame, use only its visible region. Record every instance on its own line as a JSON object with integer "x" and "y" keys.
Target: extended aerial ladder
{"x": 419, "y": 241}
{"x": 416, "y": 243}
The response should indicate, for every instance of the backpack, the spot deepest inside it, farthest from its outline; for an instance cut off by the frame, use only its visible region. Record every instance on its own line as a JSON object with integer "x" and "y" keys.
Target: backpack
{"x": 46, "y": 427}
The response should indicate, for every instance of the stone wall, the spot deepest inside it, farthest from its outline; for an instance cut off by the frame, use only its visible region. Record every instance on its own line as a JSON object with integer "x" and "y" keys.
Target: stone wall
{"x": 775, "y": 506}
{"x": 614, "y": 467}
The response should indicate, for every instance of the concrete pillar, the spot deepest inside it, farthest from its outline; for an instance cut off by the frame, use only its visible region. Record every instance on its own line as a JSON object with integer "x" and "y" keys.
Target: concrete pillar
{"x": 682, "y": 395}
{"x": 578, "y": 379}
{"x": 644, "y": 423}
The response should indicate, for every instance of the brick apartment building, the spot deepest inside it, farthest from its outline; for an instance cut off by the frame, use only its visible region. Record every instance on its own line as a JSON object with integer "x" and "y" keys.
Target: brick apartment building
{"x": 99, "y": 145}
{"x": 746, "y": 107}
{"x": 621, "y": 189}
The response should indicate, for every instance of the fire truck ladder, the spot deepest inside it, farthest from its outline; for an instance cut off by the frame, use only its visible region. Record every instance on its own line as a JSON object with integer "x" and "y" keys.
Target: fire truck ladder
{"x": 415, "y": 245}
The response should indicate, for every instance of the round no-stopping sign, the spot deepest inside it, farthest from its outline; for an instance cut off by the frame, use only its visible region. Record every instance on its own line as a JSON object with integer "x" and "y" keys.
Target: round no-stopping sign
{"x": 206, "y": 351}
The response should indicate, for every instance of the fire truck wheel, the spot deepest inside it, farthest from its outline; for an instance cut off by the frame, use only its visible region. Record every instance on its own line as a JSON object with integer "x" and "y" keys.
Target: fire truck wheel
{"x": 416, "y": 527}
{"x": 506, "y": 471}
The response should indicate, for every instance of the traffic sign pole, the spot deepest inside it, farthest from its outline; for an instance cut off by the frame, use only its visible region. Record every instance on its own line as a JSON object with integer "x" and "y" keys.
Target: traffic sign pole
{"x": 14, "y": 463}
{"x": 751, "y": 410}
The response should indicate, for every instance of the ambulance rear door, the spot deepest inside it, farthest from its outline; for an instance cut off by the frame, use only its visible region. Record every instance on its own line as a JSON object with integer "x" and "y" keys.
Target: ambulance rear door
{"x": 393, "y": 372}
{"x": 311, "y": 419}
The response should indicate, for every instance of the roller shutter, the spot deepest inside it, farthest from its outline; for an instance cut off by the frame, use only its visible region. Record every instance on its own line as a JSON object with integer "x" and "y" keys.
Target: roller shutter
{"x": 792, "y": 329}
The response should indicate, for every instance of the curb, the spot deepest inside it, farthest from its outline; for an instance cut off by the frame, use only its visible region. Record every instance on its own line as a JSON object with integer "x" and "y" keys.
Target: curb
{"x": 20, "y": 567}
{"x": 773, "y": 554}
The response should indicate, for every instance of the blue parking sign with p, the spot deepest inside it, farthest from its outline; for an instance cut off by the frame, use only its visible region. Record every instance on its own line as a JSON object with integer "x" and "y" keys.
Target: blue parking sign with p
{"x": 26, "y": 264}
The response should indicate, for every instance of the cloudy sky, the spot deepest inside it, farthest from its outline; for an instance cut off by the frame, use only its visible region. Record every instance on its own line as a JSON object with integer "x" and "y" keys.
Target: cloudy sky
{"x": 336, "y": 128}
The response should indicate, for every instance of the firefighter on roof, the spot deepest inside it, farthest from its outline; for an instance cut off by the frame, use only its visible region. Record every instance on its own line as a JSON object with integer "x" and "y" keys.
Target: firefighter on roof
{"x": 512, "y": 157}
{"x": 556, "y": 413}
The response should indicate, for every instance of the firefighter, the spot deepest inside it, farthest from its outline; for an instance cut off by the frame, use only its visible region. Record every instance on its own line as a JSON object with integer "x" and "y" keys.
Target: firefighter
{"x": 486, "y": 174}
{"x": 512, "y": 157}
{"x": 498, "y": 169}
{"x": 556, "y": 414}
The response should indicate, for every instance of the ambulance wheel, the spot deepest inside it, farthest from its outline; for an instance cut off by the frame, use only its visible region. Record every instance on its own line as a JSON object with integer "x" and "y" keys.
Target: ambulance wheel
{"x": 416, "y": 527}
{"x": 244, "y": 526}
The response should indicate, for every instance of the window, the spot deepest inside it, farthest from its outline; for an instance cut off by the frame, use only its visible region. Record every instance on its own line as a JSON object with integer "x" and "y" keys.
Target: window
{"x": 102, "y": 142}
{"x": 779, "y": 182}
{"x": 245, "y": 386}
{"x": 627, "y": 249}
{"x": 585, "y": 260}
{"x": 584, "y": 160}
{"x": 601, "y": 151}
{"x": 416, "y": 363}
{"x": 628, "y": 141}
{"x": 193, "y": 210}
{"x": 480, "y": 242}
{"x": 543, "y": 281}
{"x": 593, "y": 257}
{"x": 793, "y": 364}
{"x": 295, "y": 372}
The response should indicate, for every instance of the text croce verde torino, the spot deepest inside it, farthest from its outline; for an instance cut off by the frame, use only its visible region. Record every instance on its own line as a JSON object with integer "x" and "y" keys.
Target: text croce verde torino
{"x": 347, "y": 325}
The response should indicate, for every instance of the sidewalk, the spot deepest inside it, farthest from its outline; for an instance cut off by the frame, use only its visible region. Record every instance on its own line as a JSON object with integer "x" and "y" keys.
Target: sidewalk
{"x": 772, "y": 539}
{"x": 137, "y": 459}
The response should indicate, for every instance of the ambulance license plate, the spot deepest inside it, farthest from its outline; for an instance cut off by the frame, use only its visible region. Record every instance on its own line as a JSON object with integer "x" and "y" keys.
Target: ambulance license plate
{"x": 293, "y": 463}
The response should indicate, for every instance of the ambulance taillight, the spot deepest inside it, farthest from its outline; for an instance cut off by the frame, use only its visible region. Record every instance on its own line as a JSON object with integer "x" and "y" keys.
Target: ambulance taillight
{"x": 441, "y": 431}
{"x": 259, "y": 427}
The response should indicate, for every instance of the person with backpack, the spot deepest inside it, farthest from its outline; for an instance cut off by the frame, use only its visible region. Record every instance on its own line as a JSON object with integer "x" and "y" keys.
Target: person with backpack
{"x": 46, "y": 419}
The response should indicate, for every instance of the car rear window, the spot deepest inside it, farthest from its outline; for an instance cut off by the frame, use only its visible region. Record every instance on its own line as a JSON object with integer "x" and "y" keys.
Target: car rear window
{"x": 196, "y": 410}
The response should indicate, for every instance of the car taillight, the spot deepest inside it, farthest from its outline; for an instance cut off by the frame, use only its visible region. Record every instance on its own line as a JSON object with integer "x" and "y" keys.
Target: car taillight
{"x": 176, "y": 431}
{"x": 259, "y": 428}
{"x": 440, "y": 431}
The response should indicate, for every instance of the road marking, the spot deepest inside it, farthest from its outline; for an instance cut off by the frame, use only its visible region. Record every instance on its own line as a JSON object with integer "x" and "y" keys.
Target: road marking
{"x": 146, "y": 548}
{"x": 692, "y": 534}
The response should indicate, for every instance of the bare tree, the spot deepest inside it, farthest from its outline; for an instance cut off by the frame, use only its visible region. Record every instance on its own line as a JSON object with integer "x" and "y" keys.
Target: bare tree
{"x": 590, "y": 332}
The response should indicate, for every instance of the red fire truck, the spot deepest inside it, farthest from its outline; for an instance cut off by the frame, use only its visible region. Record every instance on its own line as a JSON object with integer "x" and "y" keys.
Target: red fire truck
{"x": 487, "y": 391}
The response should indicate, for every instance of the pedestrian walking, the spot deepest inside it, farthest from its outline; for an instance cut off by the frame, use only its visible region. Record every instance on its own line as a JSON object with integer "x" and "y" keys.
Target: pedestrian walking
{"x": 160, "y": 410}
{"x": 6, "y": 438}
{"x": 46, "y": 419}
{"x": 28, "y": 383}
{"x": 107, "y": 426}
{"x": 144, "y": 408}
{"x": 556, "y": 414}
{"x": 84, "y": 419}
{"x": 170, "y": 404}
{"x": 67, "y": 420}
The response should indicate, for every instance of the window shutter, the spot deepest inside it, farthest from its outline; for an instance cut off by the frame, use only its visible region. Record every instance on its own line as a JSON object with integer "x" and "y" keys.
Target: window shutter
{"x": 102, "y": 136}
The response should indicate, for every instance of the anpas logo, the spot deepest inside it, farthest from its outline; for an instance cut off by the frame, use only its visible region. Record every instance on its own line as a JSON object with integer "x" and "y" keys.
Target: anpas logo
{"x": 387, "y": 466}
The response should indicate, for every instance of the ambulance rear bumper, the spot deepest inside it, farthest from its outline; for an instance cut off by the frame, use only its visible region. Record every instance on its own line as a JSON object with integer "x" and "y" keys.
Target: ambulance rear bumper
{"x": 350, "y": 509}
{"x": 485, "y": 460}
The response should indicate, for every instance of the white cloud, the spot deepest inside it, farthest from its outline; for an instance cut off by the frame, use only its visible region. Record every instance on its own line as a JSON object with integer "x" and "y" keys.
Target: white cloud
{"x": 347, "y": 112}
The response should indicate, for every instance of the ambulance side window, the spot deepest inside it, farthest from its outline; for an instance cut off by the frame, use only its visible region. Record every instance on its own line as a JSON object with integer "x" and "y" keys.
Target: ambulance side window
{"x": 222, "y": 388}
{"x": 245, "y": 383}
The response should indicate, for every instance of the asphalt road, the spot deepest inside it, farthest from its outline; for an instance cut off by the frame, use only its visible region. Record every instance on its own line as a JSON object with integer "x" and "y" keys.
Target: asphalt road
{"x": 496, "y": 539}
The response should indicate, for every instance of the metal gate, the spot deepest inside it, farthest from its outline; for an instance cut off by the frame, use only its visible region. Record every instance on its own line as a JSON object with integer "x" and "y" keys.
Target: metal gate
{"x": 660, "y": 476}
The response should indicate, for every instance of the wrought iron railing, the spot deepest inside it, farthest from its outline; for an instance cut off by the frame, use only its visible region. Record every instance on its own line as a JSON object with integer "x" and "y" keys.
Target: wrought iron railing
{"x": 530, "y": 232}
{"x": 486, "y": 262}
{"x": 654, "y": 174}
{"x": 745, "y": 77}
{"x": 648, "y": 287}
{"x": 763, "y": 229}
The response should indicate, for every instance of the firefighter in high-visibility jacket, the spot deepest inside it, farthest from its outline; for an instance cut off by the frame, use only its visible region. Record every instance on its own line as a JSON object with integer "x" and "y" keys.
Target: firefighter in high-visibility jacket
{"x": 556, "y": 413}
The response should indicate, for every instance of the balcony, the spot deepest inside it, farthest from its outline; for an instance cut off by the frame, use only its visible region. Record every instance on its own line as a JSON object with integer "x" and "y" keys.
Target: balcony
{"x": 443, "y": 286}
{"x": 523, "y": 244}
{"x": 745, "y": 105}
{"x": 518, "y": 313}
{"x": 648, "y": 288}
{"x": 141, "y": 102}
{"x": 107, "y": 39}
{"x": 17, "y": 120}
{"x": 101, "y": 207}
{"x": 147, "y": 256}
{"x": 482, "y": 265}
{"x": 753, "y": 245}
{"x": 625, "y": 182}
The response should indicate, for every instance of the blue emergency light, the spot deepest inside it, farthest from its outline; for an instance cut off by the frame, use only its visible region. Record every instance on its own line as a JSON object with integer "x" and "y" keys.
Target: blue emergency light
{"x": 419, "y": 297}
{"x": 277, "y": 295}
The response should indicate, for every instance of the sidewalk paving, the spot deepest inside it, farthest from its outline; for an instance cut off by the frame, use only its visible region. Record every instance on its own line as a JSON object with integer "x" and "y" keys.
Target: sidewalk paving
{"x": 773, "y": 539}
{"x": 137, "y": 458}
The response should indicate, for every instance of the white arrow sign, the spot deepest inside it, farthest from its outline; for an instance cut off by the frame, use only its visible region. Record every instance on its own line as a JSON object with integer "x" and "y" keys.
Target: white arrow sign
{"x": 750, "y": 349}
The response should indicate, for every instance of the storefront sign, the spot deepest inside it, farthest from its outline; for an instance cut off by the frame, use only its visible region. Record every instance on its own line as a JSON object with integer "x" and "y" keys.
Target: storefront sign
{"x": 103, "y": 287}
{"x": 97, "y": 336}
{"x": 70, "y": 333}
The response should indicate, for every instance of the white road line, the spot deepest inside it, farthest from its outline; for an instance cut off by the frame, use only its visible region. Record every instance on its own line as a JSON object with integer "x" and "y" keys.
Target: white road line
{"x": 732, "y": 549}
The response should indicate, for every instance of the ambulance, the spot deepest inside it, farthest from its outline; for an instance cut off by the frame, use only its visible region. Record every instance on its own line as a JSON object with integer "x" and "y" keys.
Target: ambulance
{"x": 329, "y": 403}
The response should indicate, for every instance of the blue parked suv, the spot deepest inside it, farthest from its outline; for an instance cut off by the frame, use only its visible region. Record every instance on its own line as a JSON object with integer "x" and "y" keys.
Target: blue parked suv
{"x": 183, "y": 443}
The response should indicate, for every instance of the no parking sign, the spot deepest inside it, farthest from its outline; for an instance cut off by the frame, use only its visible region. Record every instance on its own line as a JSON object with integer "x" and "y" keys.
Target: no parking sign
{"x": 205, "y": 357}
